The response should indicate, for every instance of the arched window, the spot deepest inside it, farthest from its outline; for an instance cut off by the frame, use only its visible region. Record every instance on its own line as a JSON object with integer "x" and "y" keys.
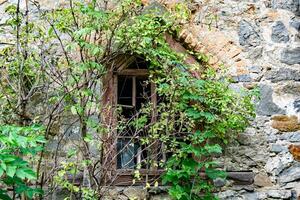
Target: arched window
{"x": 133, "y": 91}
{"x": 128, "y": 91}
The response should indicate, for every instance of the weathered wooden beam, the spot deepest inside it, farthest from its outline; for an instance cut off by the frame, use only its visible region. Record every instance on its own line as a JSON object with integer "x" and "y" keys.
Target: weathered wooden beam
{"x": 126, "y": 177}
{"x": 133, "y": 72}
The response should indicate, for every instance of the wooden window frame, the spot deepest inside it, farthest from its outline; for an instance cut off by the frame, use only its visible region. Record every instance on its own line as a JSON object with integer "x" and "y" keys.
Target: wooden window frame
{"x": 124, "y": 177}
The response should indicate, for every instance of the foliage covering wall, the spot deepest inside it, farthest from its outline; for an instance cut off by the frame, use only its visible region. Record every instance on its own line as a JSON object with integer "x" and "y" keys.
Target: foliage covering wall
{"x": 51, "y": 75}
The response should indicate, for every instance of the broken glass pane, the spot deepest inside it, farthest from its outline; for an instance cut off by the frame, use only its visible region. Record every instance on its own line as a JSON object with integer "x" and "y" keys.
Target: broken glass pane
{"x": 127, "y": 151}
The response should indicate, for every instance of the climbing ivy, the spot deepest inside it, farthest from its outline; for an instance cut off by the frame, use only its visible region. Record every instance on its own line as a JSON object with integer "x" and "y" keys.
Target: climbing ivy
{"x": 211, "y": 113}
{"x": 198, "y": 114}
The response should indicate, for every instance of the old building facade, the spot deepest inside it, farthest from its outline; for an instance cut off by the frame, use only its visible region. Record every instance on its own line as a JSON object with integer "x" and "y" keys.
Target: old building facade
{"x": 259, "y": 42}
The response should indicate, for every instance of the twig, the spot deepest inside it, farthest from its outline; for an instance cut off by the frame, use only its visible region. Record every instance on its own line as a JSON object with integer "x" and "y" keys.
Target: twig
{"x": 3, "y": 2}
{"x": 6, "y": 43}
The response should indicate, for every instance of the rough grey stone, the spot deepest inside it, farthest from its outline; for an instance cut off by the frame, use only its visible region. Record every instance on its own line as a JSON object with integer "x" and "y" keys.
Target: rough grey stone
{"x": 261, "y": 121}
{"x": 262, "y": 180}
{"x": 135, "y": 193}
{"x": 290, "y": 175}
{"x": 236, "y": 87}
{"x": 276, "y": 148}
{"x": 291, "y": 5}
{"x": 261, "y": 195}
{"x": 296, "y": 105}
{"x": 251, "y": 131}
{"x": 244, "y": 177}
{"x": 242, "y": 78}
{"x": 161, "y": 197}
{"x": 257, "y": 155}
{"x": 266, "y": 105}
{"x": 227, "y": 194}
{"x": 295, "y": 194}
{"x": 248, "y": 36}
{"x": 295, "y": 24}
{"x": 290, "y": 185}
{"x": 295, "y": 137}
{"x": 219, "y": 182}
{"x": 122, "y": 197}
{"x": 52, "y": 145}
{"x": 255, "y": 77}
{"x": 158, "y": 190}
{"x": 255, "y": 69}
{"x": 282, "y": 194}
{"x": 291, "y": 137}
{"x": 283, "y": 74}
{"x": 297, "y": 37}
{"x": 271, "y": 138}
{"x": 73, "y": 132}
{"x": 255, "y": 53}
{"x": 291, "y": 56}
{"x": 248, "y": 188}
{"x": 244, "y": 139}
{"x": 252, "y": 196}
{"x": 292, "y": 88}
{"x": 279, "y": 163}
{"x": 280, "y": 33}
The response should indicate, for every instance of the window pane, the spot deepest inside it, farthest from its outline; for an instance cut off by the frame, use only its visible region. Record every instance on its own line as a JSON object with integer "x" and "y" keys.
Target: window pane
{"x": 130, "y": 152}
{"x": 143, "y": 91}
{"x": 125, "y": 95}
{"x": 127, "y": 151}
{"x": 124, "y": 90}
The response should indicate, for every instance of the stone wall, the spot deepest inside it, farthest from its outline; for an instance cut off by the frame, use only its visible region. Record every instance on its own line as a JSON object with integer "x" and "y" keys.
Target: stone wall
{"x": 265, "y": 36}
{"x": 259, "y": 41}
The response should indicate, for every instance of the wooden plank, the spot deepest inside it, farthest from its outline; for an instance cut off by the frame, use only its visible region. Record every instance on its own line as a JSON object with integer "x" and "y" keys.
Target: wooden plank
{"x": 123, "y": 61}
{"x": 115, "y": 90}
{"x": 133, "y": 72}
{"x": 142, "y": 171}
{"x": 154, "y": 102}
{"x": 127, "y": 180}
{"x": 125, "y": 177}
{"x": 134, "y": 91}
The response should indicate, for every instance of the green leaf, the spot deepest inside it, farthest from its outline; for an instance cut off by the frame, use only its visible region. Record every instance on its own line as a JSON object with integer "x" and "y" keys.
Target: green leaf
{"x": 29, "y": 173}
{"x": 9, "y": 158}
{"x": 3, "y": 165}
{"x": 4, "y": 195}
{"x": 21, "y": 174}
{"x": 214, "y": 173}
{"x": 1, "y": 172}
{"x": 196, "y": 115}
{"x": 11, "y": 170}
{"x": 213, "y": 148}
{"x": 73, "y": 110}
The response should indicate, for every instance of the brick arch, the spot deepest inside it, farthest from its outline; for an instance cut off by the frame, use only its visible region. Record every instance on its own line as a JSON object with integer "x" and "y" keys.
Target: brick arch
{"x": 221, "y": 49}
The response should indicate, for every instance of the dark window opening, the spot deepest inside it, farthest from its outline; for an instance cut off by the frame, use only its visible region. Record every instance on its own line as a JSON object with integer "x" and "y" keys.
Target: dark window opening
{"x": 138, "y": 63}
{"x": 133, "y": 91}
